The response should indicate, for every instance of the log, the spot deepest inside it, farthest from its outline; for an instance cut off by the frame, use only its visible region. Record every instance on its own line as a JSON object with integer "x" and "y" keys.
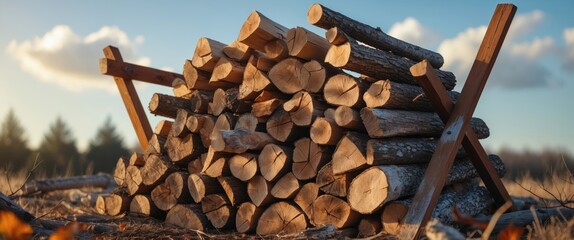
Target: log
{"x": 217, "y": 106}
{"x": 305, "y": 198}
{"x": 394, "y": 95}
{"x": 6, "y": 204}
{"x": 120, "y": 171}
{"x": 255, "y": 80}
{"x": 258, "y": 30}
{"x": 246, "y": 218}
{"x": 225, "y": 121}
{"x": 528, "y": 217}
{"x": 435, "y": 230}
{"x": 334, "y": 184}
{"x": 117, "y": 203}
{"x": 325, "y": 131}
{"x": 207, "y": 53}
{"x": 285, "y": 75}
{"x": 144, "y": 206}
{"x": 314, "y": 74}
{"x": 281, "y": 218}
{"x": 381, "y": 184}
{"x": 370, "y": 225}
{"x": 163, "y": 127}
{"x": 240, "y": 140}
{"x": 166, "y": 105}
{"x": 389, "y": 151}
{"x": 328, "y": 209}
{"x": 218, "y": 210}
{"x": 262, "y": 62}
{"x": 378, "y": 64}
{"x": 227, "y": 70}
{"x": 275, "y": 161}
{"x": 200, "y": 186}
{"x": 401, "y": 123}
{"x": 265, "y": 108}
{"x": 280, "y": 127}
{"x": 303, "y": 108}
{"x": 156, "y": 170}
{"x": 248, "y": 122}
{"x": 307, "y": 45}
{"x": 345, "y": 90}
{"x": 218, "y": 167}
{"x": 183, "y": 150}
{"x": 243, "y": 166}
{"x": 286, "y": 187}
{"x": 335, "y": 36}
{"x": 308, "y": 158}
{"x": 173, "y": 191}
{"x": 156, "y": 145}
{"x": 197, "y": 79}
{"x": 329, "y": 113}
{"x": 277, "y": 49}
{"x": 350, "y": 153}
{"x": 238, "y": 51}
{"x": 199, "y": 101}
{"x": 326, "y": 18}
{"x": 196, "y": 165}
{"x": 228, "y": 99}
{"x": 100, "y": 206}
{"x": 179, "y": 128}
{"x": 211, "y": 157}
{"x": 134, "y": 181}
{"x": 180, "y": 88}
{"x": 136, "y": 159}
{"x": 234, "y": 189}
{"x": 349, "y": 118}
{"x": 202, "y": 124}
{"x": 188, "y": 216}
{"x": 76, "y": 182}
{"x": 259, "y": 191}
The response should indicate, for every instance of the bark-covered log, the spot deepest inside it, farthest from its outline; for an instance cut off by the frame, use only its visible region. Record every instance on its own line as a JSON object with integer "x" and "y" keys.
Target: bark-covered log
{"x": 234, "y": 189}
{"x": 207, "y": 53}
{"x": 285, "y": 75}
{"x": 277, "y": 49}
{"x": 380, "y": 184}
{"x": 328, "y": 209}
{"x": 259, "y": 191}
{"x": 369, "y": 225}
{"x": 281, "y": 127}
{"x": 349, "y": 118}
{"x": 303, "y": 108}
{"x": 350, "y": 153}
{"x": 233, "y": 104}
{"x": 307, "y": 45}
{"x": 325, "y": 131}
{"x": 238, "y": 51}
{"x": 388, "y": 151}
{"x": 6, "y": 204}
{"x": 227, "y": 70}
{"x": 378, "y": 64}
{"x": 527, "y": 217}
{"x": 163, "y": 128}
{"x": 334, "y": 184}
{"x": 188, "y": 216}
{"x": 120, "y": 171}
{"x": 314, "y": 74}
{"x": 166, "y": 105}
{"x": 243, "y": 166}
{"x": 218, "y": 210}
{"x": 246, "y": 218}
{"x": 308, "y": 158}
{"x": 305, "y": 198}
{"x": 258, "y": 30}
{"x": 326, "y": 18}
{"x": 286, "y": 187}
{"x": 239, "y": 140}
{"x": 200, "y": 186}
{"x": 156, "y": 169}
{"x": 183, "y": 150}
{"x": 53, "y": 184}
{"x": 275, "y": 161}
{"x": 266, "y": 108}
{"x": 400, "y": 123}
{"x": 173, "y": 191}
{"x": 199, "y": 101}
{"x": 345, "y": 90}
{"x": 394, "y": 95}
{"x": 144, "y": 206}
{"x": 281, "y": 218}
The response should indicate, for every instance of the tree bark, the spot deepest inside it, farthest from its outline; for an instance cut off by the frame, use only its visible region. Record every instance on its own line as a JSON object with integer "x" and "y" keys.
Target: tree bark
{"x": 143, "y": 205}
{"x": 117, "y": 203}
{"x": 232, "y": 103}
{"x": 199, "y": 101}
{"x": 173, "y": 191}
{"x": 200, "y": 186}
{"x": 401, "y": 151}
{"x": 393, "y": 95}
{"x": 265, "y": 108}
{"x": 334, "y": 184}
{"x": 369, "y": 225}
{"x": 166, "y": 105}
{"x": 183, "y": 150}
{"x": 308, "y": 158}
{"x": 238, "y": 51}
{"x": 285, "y": 75}
{"x": 188, "y": 216}
{"x": 234, "y": 189}
{"x": 156, "y": 170}
{"x": 527, "y": 217}
{"x": 277, "y": 49}
{"x": 381, "y": 184}
{"x": 328, "y": 209}
{"x": 325, "y": 131}
{"x": 303, "y": 108}
{"x": 378, "y": 64}
{"x": 275, "y": 161}
{"x": 197, "y": 79}
{"x": 227, "y": 70}
{"x": 286, "y": 187}
{"x": 163, "y": 128}
{"x": 349, "y": 118}
{"x": 243, "y": 166}
{"x": 315, "y": 73}
{"x": 207, "y": 53}
{"x": 120, "y": 171}
{"x": 280, "y": 127}
{"x": 350, "y": 153}
{"x": 326, "y": 18}
{"x": 239, "y": 140}
{"x": 345, "y": 90}
{"x": 259, "y": 191}
{"x": 305, "y": 198}
{"x": 6, "y": 204}
{"x": 246, "y": 218}
{"x": 53, "y": 184}
{"x": 218, "y": 210}
{"x": 258, "y": 30}
{"x": 381, "y": 123}
{"x": 281, "y": 218}
{"x": 307, "y": 45}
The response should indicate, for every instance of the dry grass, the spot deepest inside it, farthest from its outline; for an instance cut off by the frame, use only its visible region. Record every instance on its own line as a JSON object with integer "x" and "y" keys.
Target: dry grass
{"x": 10, "y": 182}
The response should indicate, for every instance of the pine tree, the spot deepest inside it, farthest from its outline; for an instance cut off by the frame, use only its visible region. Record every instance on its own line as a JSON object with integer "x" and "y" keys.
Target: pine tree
{"x": 14, "y": 151}
{"x": 105, "y": 149}
{"x": 58, "y": 151}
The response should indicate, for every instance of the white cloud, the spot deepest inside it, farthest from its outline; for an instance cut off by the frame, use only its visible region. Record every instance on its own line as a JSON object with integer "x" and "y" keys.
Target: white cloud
{"x": 568, "y": 54}
{"x": 516, "y": 66}
{"x": 410, "y": 30}
{"x": 62, "y": 57}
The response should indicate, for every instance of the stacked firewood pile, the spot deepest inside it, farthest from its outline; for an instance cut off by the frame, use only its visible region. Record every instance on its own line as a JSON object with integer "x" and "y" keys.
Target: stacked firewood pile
{"x": 273, "y": 134}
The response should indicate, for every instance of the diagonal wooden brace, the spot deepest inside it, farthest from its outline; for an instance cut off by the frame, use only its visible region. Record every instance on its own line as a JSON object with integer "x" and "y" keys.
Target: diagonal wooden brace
{"x": 457, "y": 125}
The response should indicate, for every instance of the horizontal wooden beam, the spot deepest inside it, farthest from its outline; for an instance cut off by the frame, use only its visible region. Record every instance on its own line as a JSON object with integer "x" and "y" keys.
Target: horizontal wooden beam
{"x": 137, "y": 72}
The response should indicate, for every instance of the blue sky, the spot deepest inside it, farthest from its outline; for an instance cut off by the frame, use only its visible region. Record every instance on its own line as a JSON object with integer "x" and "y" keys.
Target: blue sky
{"x": 49, "y": 53}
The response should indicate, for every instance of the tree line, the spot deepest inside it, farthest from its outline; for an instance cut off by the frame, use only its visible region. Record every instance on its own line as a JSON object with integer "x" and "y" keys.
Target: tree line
{"x": 58, "y": 154}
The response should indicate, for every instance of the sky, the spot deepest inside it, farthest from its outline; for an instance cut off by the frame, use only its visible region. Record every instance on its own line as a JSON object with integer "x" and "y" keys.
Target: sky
{"x": 49, "y": 53}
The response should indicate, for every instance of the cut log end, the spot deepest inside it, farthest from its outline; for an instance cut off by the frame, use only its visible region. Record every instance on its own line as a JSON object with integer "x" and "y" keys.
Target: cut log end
{"x": 281, "y": 218}
{"x": 369, "y": 185}
{"x": 339, "y": 55}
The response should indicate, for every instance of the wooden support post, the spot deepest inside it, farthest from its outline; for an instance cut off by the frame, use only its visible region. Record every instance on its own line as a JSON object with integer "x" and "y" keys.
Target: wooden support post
{"x": 457, "y": 125}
